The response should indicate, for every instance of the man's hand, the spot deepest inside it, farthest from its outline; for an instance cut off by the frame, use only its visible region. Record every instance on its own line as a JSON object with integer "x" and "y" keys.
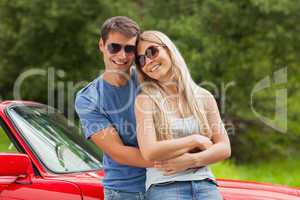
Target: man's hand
{"x": 176, "y": 165}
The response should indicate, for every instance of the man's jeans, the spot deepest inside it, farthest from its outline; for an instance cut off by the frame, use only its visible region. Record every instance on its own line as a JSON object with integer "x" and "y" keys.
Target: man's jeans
{"x": 119, "y": 195}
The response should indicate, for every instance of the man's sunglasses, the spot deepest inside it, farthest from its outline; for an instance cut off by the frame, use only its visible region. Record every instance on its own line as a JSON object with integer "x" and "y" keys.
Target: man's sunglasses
{"x": 114, "y": 48}
{"x": 151, "y": 53}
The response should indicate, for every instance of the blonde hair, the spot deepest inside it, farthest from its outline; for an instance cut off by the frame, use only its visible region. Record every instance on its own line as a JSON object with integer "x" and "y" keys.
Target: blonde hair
{"x": 153, "y": 89}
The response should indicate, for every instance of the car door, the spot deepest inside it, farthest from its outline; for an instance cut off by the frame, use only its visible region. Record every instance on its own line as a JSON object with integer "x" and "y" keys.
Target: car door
{"x": 35, "y": 188}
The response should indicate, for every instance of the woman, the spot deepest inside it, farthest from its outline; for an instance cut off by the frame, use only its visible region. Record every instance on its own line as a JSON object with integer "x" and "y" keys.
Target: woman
{"x": 176, "y": 119}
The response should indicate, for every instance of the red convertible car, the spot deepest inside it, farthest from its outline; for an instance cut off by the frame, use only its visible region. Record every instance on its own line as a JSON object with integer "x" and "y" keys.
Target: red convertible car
{"x": 43, "y": 156}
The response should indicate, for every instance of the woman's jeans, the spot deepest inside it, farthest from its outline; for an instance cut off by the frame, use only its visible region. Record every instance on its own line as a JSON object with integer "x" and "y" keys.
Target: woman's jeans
{"x": 119, "y": 195}
{"x": 184, "y": 190}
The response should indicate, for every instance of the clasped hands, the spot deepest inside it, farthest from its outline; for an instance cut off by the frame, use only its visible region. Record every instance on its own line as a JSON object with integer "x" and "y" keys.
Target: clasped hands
{"x": 187, "y": 160}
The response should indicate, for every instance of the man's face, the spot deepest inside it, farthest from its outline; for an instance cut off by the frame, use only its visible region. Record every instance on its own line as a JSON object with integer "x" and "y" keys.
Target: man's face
{"x": 115, "y": 58}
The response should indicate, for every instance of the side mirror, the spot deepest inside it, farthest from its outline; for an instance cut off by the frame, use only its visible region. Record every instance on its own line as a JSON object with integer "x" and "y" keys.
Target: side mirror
{"x": 18, "y": 165}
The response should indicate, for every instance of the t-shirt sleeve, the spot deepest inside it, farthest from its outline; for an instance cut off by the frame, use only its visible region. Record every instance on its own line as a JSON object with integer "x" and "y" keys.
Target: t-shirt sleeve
{"x": 92, "y": 118}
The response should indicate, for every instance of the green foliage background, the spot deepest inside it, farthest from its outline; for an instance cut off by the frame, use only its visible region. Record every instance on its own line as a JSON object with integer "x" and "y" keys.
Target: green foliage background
{"x": 231, "y": 41}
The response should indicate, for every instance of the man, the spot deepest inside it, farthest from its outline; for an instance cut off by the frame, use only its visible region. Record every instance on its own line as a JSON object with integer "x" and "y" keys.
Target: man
{"x": 106, "y": 111}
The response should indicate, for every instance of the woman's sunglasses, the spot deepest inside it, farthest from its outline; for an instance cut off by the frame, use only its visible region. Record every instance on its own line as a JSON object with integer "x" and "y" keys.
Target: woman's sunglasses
{"x": 151, "y": 53}
{"x": 114, "y": 48}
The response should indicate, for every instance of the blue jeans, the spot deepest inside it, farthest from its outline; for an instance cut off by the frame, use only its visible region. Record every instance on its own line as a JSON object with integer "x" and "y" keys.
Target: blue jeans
{"x": 120, "y": 195}
{"x": 184, "y": 190}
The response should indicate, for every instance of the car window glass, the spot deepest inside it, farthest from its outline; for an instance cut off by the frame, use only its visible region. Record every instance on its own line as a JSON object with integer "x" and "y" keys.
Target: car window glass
{"x": 57, "y": 145}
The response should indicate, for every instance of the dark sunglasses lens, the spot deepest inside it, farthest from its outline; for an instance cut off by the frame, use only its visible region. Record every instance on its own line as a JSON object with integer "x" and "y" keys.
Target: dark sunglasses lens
{"x": 141, "y": 61}
{"x": 114, "y": 48}
{"x": 129, "y": 49}
{"x": 151, "y": 52}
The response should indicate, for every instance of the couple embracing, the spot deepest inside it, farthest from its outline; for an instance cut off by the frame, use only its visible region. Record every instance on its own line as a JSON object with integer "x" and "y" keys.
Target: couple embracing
{"x": 157, "y": 128}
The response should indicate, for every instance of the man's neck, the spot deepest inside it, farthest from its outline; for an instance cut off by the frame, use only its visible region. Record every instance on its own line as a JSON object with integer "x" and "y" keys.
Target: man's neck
{"x": 116, "y": 78}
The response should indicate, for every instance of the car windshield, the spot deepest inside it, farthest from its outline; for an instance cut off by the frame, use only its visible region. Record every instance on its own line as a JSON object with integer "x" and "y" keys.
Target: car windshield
{"x": 56, "y": 142}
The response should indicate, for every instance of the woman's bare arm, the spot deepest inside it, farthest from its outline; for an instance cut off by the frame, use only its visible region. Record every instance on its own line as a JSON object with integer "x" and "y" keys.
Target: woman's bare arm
{"x": 220, "y": 150}
{"x": 152, "y": 149}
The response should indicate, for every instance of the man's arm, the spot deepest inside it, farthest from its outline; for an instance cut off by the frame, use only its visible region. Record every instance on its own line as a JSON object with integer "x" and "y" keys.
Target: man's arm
{"x": 98, "y": 128}
{"x": 110, "y": 143}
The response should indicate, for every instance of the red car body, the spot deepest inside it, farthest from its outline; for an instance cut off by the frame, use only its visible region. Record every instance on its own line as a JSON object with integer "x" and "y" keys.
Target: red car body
{"x": 24, "y": 177}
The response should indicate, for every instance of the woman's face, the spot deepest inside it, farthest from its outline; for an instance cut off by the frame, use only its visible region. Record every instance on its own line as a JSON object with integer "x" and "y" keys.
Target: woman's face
{"x": 159, "y": 65}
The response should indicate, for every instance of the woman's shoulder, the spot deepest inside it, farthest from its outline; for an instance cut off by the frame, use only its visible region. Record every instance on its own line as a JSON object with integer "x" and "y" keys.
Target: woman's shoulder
{"x": 205, "y": 97}
{"x": 143, "y": 97}
{"x": 201, "y": 92}
{"x": 144, "y": 101}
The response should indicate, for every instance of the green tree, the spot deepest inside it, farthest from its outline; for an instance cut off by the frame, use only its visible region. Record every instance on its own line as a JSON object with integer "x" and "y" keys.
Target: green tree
{"x": 223, "y": 42}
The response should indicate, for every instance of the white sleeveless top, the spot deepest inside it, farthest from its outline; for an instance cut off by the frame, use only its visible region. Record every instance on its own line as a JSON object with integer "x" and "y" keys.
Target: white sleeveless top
{"x": 180, "y": 127}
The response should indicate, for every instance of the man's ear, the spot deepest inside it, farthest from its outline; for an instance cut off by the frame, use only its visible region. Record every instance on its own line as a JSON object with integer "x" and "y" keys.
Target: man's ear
{"x": 101, "y": 45}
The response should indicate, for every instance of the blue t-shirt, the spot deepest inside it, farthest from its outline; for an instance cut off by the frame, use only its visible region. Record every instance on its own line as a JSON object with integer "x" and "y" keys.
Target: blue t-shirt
{"x": 100, "y": 105}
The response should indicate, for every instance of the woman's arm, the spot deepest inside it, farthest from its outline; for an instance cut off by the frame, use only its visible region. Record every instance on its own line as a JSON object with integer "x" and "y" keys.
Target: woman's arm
{"x": 152, "y": 149}
{"x": 220, "y": 150}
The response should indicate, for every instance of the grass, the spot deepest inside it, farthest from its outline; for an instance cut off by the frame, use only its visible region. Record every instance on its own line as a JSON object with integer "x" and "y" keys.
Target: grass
{"x": 5, "y": 143}
{"x": 283, "y": 172}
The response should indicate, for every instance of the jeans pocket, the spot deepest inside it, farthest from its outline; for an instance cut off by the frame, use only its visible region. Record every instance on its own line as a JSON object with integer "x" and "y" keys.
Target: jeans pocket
{"x": 167, "y": 190}
{"x": 108, "y": 194}
{"x": 211, "y": 181}
{"x": 158, "y": 186}
{"x": 205, "y": 185}
{"x": 164, "y": 183}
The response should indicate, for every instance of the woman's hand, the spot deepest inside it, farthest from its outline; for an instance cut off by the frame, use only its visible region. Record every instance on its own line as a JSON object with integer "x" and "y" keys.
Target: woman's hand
{"x": 175, "y": 165}
{"x": 187, "y": 160}
{"x": 202, "y": 142}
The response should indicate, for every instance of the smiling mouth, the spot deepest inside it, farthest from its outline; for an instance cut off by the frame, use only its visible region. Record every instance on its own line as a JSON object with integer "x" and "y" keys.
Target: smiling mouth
{"x": 119, "y": 62}
{"x": 155, "y": 67}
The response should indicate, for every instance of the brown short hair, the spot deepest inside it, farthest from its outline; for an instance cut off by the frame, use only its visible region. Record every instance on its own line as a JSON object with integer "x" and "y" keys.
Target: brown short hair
{"x": 121, "y": 24}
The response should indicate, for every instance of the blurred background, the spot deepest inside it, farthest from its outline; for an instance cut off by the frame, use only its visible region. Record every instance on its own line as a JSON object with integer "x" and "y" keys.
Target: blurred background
{"x": 247, "y": 53}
